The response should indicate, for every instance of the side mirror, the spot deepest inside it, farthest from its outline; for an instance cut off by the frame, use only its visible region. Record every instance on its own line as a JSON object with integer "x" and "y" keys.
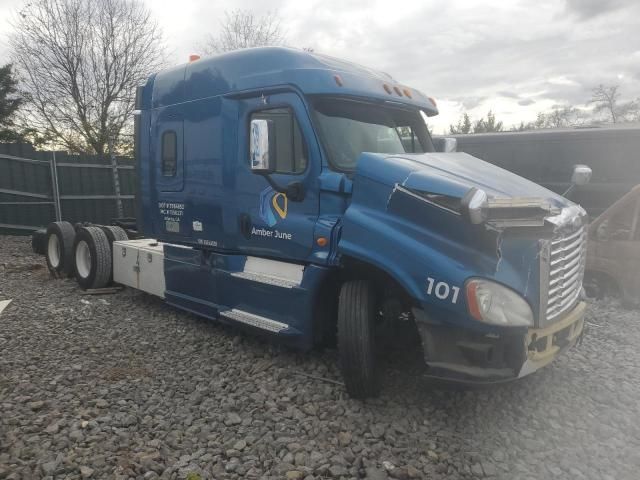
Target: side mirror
{"x": 262, "y": 143}
{"x": 581, "y": 175}
{"x": 445, "y": 144}
{"x": 472, "y": 205}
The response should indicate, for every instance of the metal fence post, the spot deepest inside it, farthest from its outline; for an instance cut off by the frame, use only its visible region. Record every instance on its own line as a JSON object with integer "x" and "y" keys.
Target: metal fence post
{"x": 116, "y": 180}
{"x": 55, "y": 190}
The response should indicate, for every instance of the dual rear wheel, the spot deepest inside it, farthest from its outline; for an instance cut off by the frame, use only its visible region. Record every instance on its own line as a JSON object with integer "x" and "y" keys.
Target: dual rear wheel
{"x": 59, "y": 248}
{"x": 83, "y": 252}
{"x": 93, "y": 262}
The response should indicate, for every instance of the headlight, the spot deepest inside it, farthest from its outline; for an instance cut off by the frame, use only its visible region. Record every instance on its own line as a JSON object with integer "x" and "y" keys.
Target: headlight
{"x": 493, "y": 303}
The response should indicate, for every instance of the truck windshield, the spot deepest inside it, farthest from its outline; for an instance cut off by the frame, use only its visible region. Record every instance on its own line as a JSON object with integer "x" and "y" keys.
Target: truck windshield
{"x": 350, "y": 127}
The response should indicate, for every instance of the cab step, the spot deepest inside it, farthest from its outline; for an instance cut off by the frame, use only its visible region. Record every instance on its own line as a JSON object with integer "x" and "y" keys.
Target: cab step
{"x": 254, "y": 320}
{"x": 266, "y": 279}
{"x": 271, "y": 272}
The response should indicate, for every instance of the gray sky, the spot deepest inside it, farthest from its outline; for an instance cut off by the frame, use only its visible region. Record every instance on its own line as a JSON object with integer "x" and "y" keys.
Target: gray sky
{"x": 517, "y": 57}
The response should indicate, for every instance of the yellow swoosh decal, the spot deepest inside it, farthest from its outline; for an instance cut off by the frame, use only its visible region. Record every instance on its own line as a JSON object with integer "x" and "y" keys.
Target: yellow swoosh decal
{"x": 282, "y": 211}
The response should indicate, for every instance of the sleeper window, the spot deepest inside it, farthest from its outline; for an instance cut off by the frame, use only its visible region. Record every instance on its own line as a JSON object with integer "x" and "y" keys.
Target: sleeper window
{"x": 169, "y": 153}
{"x": 291, "y": 152}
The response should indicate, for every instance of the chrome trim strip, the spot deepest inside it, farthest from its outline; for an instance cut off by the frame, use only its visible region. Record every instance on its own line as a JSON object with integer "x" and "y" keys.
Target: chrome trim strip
{"x": 570, "y": 237}
{"x": 545, "y": 257}
{"x": 561, "y": 308}
{"x": 406, "y": 191}
{"x": 569, "y": 266}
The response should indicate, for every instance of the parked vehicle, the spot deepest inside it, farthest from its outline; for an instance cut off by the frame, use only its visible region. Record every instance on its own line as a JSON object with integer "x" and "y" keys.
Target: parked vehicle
{"x": 547, "y": 157}
{"x": 613, "y": 254}
{"x": 299, "y": 195}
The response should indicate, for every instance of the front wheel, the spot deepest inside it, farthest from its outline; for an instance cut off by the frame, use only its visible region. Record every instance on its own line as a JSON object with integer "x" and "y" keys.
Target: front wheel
{"x": 356, "y": 338}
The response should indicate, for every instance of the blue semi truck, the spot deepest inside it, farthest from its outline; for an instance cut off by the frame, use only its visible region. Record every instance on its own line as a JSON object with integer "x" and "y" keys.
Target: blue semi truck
{"x": 302, "y": 196}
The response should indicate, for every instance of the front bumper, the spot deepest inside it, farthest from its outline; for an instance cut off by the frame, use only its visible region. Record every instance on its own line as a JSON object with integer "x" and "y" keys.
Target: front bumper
{"x": 471, "y": 357}
{"x": 544, "y": 344}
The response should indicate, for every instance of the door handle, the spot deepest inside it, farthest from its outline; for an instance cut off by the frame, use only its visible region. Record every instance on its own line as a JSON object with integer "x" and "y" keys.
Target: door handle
{"x": 245, "y": 225}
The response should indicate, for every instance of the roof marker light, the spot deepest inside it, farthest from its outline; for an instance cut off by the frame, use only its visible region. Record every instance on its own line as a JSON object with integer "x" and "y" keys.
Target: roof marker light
{"x": 193, "y": 57}
{"x": 387, "y": 88}
{"x": 398, "y": 91}
{"x": 338, "y": 80}
{"x": 432, "y": 101}
{"x": 406, "y": 92}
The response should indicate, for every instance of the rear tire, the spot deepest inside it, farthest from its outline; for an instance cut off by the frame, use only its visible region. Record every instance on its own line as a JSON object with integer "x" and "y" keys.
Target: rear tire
{"x": 114, "y": 233}
{"x": 93, "y": 260}
{"x": 39, "y": 242}
{"x": 59, "y": 248}
{"x": 356, "y": 339}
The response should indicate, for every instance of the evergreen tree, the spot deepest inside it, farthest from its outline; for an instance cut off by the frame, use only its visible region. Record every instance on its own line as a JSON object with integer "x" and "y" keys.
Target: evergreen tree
{"x": 487, "y": 125}
{"x": 463, "y": 126}
{"x": 10, "y": 101}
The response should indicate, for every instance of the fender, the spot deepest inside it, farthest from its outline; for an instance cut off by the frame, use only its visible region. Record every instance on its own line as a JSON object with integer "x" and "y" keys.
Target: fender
{"x": 392, "y": 232}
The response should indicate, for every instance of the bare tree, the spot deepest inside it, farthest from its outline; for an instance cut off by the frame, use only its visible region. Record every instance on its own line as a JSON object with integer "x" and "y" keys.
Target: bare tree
{"x": 79, "y": 62}
{"x": 562, "y": 117}
{"x": 244, "y": 29}
{"x": 607, "y": 99}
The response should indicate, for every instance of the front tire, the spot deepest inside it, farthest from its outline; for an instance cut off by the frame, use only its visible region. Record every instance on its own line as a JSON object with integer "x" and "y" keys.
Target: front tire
{"x": 92, "y": 254}
{"x": 356, "y": 339}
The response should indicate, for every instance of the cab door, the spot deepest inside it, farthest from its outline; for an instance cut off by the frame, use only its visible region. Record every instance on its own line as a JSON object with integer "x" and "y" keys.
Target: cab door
{"x": 271, "y": 223}
{"x": 167, "y": 154}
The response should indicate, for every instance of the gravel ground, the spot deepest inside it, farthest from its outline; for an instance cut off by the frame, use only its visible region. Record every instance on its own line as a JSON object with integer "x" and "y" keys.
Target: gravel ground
{"x": 122, "y": 386}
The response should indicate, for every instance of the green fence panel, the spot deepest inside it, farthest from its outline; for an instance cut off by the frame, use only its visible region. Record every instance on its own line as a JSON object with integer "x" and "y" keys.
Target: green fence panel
{"x": 85, "y": 186}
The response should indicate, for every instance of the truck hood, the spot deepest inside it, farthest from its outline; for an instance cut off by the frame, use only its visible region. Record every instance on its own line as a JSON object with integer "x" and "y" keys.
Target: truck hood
{"x": 450, "y": 174}
{"x": 404, "y": 218}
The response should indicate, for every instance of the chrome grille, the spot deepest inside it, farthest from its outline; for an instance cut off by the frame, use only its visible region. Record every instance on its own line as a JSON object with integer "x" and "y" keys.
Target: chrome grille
{"x": 566, "y": 261}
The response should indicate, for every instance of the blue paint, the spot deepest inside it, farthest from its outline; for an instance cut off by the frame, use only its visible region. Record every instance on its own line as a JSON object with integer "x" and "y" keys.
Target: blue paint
{"x": 203, "y": 283}
{"x": 208, "y": 103}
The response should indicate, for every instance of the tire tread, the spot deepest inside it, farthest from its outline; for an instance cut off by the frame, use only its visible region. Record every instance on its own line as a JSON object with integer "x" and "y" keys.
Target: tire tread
{"x": 66, "y": 236}
{"x": 356, "y": 342}
{"x": 101, "y": 264}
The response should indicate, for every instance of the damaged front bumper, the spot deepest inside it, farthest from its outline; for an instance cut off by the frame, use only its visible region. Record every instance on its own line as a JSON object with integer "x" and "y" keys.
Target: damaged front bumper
{"x": 462, "y": 355}
{"x": 544, "y": 344}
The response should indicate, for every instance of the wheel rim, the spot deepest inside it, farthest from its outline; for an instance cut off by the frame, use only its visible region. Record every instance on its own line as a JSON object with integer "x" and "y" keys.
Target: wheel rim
{"x": 83, "y": 259}
{"x": 53, "y": 250}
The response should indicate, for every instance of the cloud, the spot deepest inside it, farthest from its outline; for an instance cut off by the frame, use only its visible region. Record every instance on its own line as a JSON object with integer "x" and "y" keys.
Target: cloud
{"x": 516, "y": 57}
{"x": 508, "y": 94}
{"x": 587, "y": 9}
{"x": 469, "y": 103}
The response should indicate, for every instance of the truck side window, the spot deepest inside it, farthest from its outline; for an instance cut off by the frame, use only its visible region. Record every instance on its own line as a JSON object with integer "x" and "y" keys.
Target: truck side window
{"x": 169, "y": 153}
{"x": 409, "y": 139}
{"x": 291, "y": 151}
